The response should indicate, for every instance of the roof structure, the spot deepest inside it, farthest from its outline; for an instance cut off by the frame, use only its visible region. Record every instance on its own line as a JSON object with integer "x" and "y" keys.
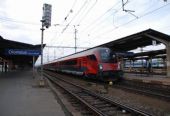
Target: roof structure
{"x": 134, "y": 41}
{"x": 147, "y": 55}
{"x": 17, "y": 59}
{"x": 142, "y": 39}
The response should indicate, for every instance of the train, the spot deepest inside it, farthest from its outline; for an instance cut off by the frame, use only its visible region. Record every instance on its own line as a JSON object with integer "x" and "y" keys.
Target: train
{"x": 156, "y": 66}
{"x": 99, "y": 63}
{"x": 155, "y": 63}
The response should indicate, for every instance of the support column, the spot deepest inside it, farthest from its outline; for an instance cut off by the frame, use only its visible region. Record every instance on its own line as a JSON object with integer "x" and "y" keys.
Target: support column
{"x": 130, "y": 65}
{"x": 6, "y": 67}
{"x": 164, "y": 64}
{"x": 3, "y": 65}
{"x": 151, "y": 68}
{"x": 168, "y": 59}
{"x": 122, "y": 64}
{"x": 133, "y": 65}
{"x": 33, "y": 66}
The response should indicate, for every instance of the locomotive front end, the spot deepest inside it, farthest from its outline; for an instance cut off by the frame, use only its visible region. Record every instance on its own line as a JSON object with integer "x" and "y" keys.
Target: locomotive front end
{"x": 109, "y": 66}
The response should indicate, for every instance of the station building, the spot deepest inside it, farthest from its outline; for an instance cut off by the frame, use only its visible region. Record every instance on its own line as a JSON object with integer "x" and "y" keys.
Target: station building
{"x": 17, "y": 55}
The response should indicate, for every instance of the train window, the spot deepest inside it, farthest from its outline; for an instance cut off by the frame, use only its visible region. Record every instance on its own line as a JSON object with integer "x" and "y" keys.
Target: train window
{"x": 92, "y": 57}
{"x": 104, "y": 56}
{"x": 70, "y": 62}
{"x": 107, "y": 56}
{"x": 73, "y": 62}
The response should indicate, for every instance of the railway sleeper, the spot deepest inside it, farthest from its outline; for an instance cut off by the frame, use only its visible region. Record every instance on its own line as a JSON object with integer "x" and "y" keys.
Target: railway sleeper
{"x": 85, "y": 96}
{"x": 117, "y": 113}
{"x": 102, "y": 105}
{"x": 78, "y": 109}
{"x": 98, "y": 102}
{"x": 88, "y": 98}
{"x": 72, "y": 100}
{"x": 95, "y": 101}
{"x": 86, "y": 113}
{"x": 75, "y": 104}
{"x": 82, "y": 93}
{"x": 109, "y": 109}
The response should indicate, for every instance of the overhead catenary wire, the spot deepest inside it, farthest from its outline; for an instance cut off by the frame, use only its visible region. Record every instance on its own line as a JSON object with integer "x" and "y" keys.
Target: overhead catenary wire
{"x": 101, "y": 26}
{"x": 65, "y": 19}
{"x": 83, "y": 17}
{"x": 67, "y": 25}
{"x": 92, "y": 30}
{"x": 97, "y": 20}
{"x": 71, "y": 10}
{"x": 75, "y": 16}
{"x": 6, "y": 19}
{"x": 145, "y": 14}
{"x": 128, "y": 11}
{"x": 84, "y": 4}
{"x": 83, "y": 11}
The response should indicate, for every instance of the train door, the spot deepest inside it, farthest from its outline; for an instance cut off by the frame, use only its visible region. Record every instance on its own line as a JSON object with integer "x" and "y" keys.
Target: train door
{"x": 92, "y": 64}
{"x": 83, "y": 65}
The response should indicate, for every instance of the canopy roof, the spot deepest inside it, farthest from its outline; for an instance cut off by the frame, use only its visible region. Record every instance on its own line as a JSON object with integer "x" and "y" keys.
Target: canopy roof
{"x": 17, "y": 59}
{"x": 134, "y": 41}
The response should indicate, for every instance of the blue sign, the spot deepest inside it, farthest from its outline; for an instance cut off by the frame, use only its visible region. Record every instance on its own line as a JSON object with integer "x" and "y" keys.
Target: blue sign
{"x": 23, "y": 52}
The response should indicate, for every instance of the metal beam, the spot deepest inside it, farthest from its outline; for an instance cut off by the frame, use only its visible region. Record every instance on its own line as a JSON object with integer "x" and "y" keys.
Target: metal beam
{"x": 67, "y": 47}
{"x": 156, "y": 38}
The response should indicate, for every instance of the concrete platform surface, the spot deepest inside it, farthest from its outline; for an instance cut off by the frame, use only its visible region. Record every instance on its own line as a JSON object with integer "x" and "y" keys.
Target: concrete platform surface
{"x": 20, "y": 97}
{"x": 155, "y": 79}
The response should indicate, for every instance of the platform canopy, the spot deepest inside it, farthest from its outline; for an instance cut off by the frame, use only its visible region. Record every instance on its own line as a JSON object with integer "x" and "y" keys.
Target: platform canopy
{"x": 18, "y": 59}
{"x": 140, "y": 39}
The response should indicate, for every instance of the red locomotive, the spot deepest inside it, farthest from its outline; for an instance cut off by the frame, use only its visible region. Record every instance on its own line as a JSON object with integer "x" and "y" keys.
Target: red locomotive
{"x": 99, "y": 63}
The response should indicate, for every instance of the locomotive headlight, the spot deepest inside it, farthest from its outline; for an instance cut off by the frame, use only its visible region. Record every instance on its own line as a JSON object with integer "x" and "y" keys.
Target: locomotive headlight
{"x": 100, "y": 67}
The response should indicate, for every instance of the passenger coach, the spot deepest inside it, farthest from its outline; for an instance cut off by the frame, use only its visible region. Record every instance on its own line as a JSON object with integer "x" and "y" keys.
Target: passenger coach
{"x": 99, "y": 63}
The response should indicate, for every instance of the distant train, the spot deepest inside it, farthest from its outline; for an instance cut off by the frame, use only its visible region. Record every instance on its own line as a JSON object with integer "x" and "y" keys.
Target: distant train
{"x": 155, "y": 66}
{"x": 156, "y": 63}
{"x": 98, "y": 63}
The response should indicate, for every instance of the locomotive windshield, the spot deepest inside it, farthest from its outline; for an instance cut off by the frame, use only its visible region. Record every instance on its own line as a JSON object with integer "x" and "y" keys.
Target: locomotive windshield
{"x": 107, "y": 56}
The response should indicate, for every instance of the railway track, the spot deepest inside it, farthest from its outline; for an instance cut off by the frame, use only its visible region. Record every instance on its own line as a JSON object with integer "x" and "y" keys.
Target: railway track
{"x": 94, "y": 103}
{"x": 146, "y": 89}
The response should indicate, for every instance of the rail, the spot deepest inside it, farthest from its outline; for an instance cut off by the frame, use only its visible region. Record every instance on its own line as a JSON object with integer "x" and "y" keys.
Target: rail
{"x": 97, "y": 104}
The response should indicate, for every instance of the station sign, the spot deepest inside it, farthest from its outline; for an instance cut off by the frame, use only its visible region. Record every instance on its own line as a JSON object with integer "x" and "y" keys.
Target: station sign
{"x": 154, "y": 42}
{"x": 22, "y": 52}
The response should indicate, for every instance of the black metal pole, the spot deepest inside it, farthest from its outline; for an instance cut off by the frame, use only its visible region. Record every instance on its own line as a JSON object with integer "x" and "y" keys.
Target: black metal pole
{"x": 42, "y": 37}
{"x": 75, "y": 38}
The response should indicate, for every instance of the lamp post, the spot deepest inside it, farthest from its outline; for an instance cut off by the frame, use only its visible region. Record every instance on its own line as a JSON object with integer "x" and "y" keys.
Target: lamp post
{"x": 75, "y": 38}
{"x": 42, "y": 38}
{"x": 46, "y": 22}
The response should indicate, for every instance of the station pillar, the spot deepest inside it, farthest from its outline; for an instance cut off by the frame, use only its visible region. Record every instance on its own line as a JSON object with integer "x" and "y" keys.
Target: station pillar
{"x": 168, "y": 59}
{"x": 5, "y": 66}
{"x": 2, "y": 65}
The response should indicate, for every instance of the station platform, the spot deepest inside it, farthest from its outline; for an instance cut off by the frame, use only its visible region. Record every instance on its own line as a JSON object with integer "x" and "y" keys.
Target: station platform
{"x": 145, "y": 78}
{"x": 20, "y": 96}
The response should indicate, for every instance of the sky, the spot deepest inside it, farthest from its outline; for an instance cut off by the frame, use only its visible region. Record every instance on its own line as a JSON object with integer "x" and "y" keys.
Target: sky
{"x": 96, "y": 22}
